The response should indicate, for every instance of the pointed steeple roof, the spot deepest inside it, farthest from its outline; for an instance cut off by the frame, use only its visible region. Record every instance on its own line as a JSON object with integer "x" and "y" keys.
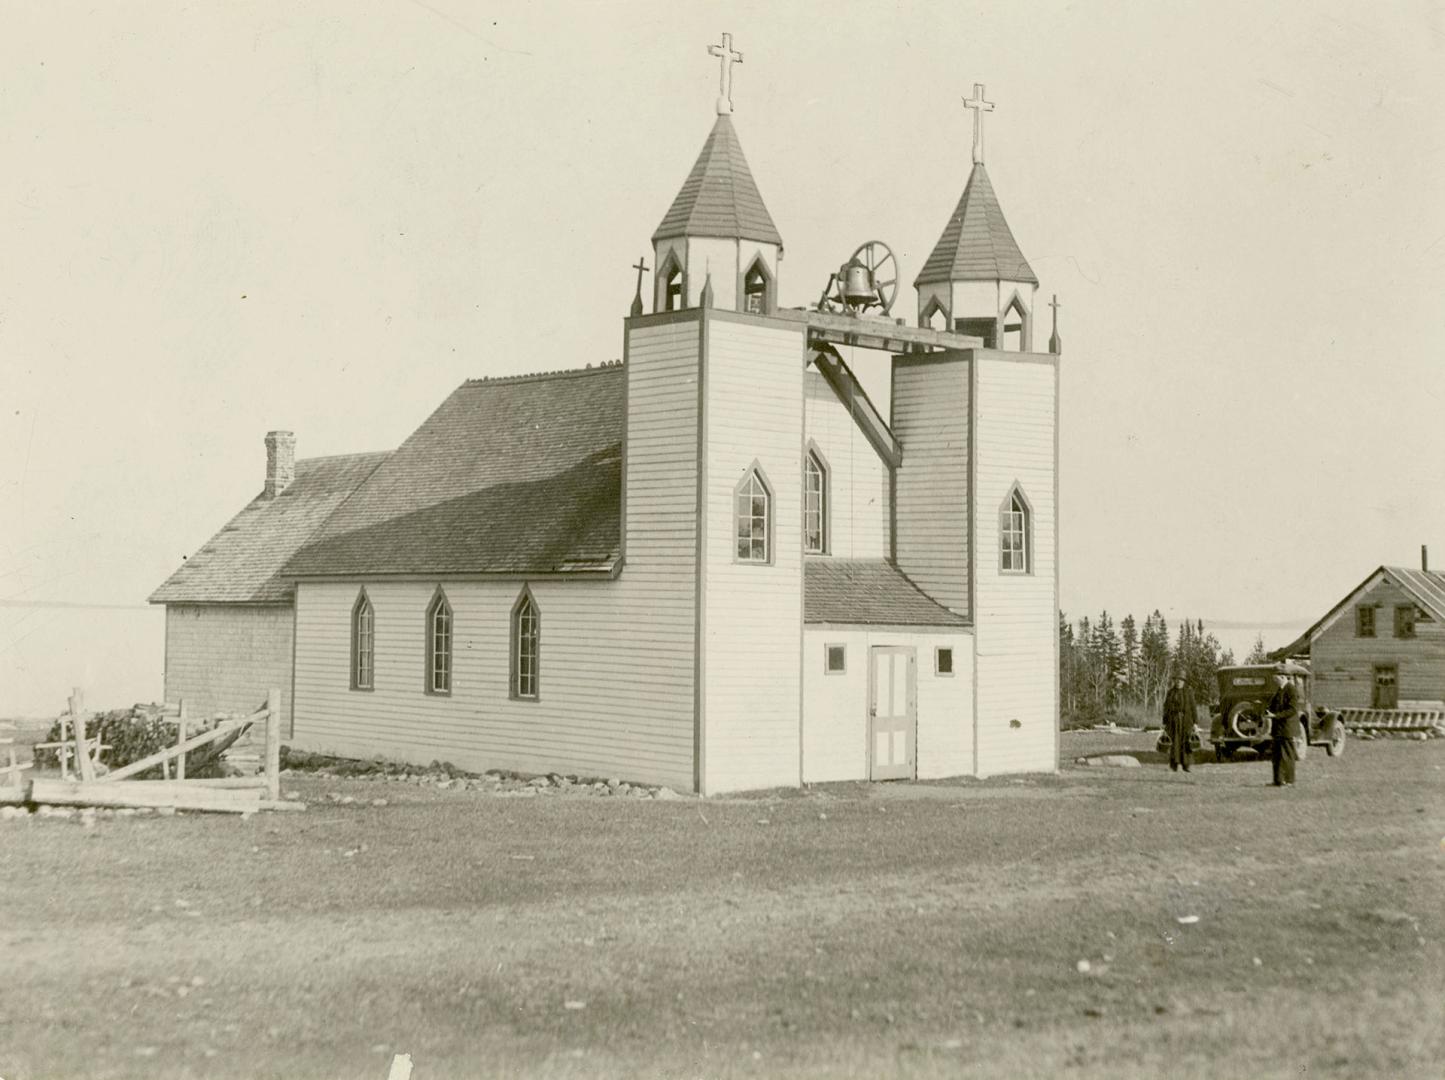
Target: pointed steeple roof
{"x": 719, "y": 197}
{"x": 976, "y": 244}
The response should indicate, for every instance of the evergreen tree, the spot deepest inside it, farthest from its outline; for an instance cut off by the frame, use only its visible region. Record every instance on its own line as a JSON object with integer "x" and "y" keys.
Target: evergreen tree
{"x": 1129, "y": 642}
{"x": 1258, "y": 654}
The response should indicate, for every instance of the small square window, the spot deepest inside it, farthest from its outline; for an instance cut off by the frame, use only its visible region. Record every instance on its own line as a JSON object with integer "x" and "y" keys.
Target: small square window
{"x": 943, "y": 661}
{"x": 836, "y": 659}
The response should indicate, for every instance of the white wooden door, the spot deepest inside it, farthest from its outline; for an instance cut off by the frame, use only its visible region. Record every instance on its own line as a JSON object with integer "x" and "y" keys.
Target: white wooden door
{"x": 892, "y": 712}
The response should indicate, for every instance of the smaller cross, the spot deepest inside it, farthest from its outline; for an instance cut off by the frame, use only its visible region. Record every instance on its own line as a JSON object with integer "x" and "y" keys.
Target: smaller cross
{"x": 1055, "y": 343}
{"x": 980, "y": 107}
{"x": 641, "y": 267}
{"x": 727, "y": 57}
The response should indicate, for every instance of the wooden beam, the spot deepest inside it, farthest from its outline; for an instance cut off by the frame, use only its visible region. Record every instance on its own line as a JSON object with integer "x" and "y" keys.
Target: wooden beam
{"x": 84, "y": 763}
{"x": 273, "y": 743}
{"x": 223, "y": 728}
{"x": 71, "y": 793}
{"x": 181, "y": 741}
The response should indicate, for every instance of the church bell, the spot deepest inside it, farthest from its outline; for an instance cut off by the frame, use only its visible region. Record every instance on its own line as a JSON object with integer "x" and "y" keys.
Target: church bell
{"x": 858, "y": 289}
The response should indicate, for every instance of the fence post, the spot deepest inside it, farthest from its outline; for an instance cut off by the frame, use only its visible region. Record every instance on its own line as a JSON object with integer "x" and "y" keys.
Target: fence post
{"x": 181, "y": 741}
{"x": 84, "y": 766}
{"x": 273, "y": 743}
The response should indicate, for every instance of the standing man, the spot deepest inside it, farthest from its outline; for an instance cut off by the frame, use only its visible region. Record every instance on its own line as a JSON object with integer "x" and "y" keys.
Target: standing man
{"x": 1285, "y": 728}
{"x": 1179, "y": 719}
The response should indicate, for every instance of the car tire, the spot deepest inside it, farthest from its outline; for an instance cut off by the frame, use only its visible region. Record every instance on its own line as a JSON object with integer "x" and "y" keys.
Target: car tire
{"x": 1336, "y": 746}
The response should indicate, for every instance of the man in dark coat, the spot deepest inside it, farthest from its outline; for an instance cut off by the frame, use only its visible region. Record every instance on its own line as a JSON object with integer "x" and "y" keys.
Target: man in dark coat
{"x": 1285, "y": 728}
{"x": 1179, "y": 719}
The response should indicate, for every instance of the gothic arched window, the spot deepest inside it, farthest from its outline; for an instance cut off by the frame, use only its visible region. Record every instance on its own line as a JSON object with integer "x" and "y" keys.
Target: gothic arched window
{"x": 815, "y": 504}
{"x": 755, "y": 288}
{"x": 363, "y": 643}
{"x": 526, "y": 647}
{"x": 1015, "y": 534}
{"x": 439, "y": 645}
{"x": 753, "y": 517}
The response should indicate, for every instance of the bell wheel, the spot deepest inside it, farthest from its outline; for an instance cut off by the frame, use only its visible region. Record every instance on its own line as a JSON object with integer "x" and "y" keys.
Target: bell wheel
{"x": 883, "y": 267}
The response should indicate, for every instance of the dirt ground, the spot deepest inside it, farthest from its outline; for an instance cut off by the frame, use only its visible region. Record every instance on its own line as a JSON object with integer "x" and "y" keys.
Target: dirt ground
{"x": 1098, "y": 923}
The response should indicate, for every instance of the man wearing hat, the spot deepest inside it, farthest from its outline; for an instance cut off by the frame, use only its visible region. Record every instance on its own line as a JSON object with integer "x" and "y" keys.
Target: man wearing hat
{"x": 1284, "y": 716}
{"x": 1179, "y": 718}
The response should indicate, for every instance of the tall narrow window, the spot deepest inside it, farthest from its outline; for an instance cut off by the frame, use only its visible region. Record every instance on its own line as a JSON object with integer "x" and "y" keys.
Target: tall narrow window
{"x": 752, "y": 500}
{"x": 755, "y": 289}
{"x": 363, "y": 647}
{"x": 1364, "y": 621}
{"x": 1015, "y": 547}
{"x": 526, "y": 647}
{"x": 1015, "y": 327}
{"x": 815, "y": 504}
{"x": 439, "y": 645}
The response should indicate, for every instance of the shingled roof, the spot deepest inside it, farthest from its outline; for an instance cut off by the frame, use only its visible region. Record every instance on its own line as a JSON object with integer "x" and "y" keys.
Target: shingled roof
{"x": 869, "y": 591}
{"x": 509, "y": 476}
{"x": 977, "y": 244}
{"x": 241, "y": 564}
{"x": 720, "y": 197}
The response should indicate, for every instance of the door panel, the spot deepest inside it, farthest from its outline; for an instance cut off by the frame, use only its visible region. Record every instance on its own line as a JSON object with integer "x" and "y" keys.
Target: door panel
{"x": 892, "y": 712}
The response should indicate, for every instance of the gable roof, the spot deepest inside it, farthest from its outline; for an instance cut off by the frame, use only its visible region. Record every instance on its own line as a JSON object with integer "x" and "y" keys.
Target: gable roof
{"x": 242, "y": 562}
{"x": 720, "y": 197}
{"x": 519, "y": 475}
{"x": 1425, "y": 587}
{"x": 977, "y": 244}
{"x": 868, "y": 591}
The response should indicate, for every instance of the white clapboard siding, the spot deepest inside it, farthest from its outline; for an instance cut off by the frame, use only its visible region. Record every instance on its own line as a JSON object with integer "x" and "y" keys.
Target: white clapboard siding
{"x": 1343, "y": 664}
{"x": 1017, "y": 619}
{"x": 617, "y": 657}
{"x": 753, "y": 614}
{"x": 930, "y": 419}
{"x": 835, "y": 710}
{"x": 225, "y": 657}
{"x": 857, "y": 492}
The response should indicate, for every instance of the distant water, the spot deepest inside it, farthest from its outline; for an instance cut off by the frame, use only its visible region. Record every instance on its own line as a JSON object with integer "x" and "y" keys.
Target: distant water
{"x": 117, "y": 654}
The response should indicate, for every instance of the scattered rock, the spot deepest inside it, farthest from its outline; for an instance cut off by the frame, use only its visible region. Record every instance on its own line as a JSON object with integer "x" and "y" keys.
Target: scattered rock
{"x": 1187, "y": 920}
{"x": 573, "y": 1006}
{"x": 666, "y": 794}
{"x": 1122, "y": 761}
{"x": 1083, "y": 967}
{"x": 1258, "y": 962}
{"x": 378, "y": 802}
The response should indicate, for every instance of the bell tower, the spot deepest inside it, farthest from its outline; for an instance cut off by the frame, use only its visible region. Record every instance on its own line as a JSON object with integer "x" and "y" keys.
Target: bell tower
{"x": 718, "y": 226}
{"x": 977, "y": 281}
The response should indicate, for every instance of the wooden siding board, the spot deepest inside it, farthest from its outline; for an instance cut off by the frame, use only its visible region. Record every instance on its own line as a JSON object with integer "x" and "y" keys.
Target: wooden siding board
{"x": 1343, "y": 665}
{"x": 224, "y": 657}
{"x": 930, "y": 416}
{"x": 617, "y": 694}
{"x": 752, "y": 683}
{"x": 1017, "y": 622}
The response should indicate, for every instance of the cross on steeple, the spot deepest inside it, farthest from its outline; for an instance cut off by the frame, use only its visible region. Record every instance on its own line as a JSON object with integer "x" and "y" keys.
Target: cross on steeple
{"x": 727, "y": 57}
{"x": 641, "y": 267}
{"x": 980, "y": 107}
{"x": 1056, "y": 344}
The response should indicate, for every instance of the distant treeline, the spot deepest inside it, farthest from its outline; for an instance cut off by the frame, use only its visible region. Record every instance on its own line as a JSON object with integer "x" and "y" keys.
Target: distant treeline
{"x": 1108, "y": 671}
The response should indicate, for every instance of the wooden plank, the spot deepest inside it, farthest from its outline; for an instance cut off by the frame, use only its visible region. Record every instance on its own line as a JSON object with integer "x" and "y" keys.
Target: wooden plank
{"x": 160, "y": 756}
{"x": 273, "y": 743}
{"x": 19, "y": 794}
{"x": 72, "y": 793}
{"x": 181, "y": 741}
{"x": 85, "y": 765}
{"x": 238, "y": 783}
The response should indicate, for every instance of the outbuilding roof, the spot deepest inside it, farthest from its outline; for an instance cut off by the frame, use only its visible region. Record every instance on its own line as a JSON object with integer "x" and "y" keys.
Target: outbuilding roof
{"x": 977, "y": 244}
{"x": 868, "y": 591}
{"x": 517, "y": 475}
{"x": 241, "y": 564}
{"x": 719, "y": 197}
{"x": 1425, "y": 587}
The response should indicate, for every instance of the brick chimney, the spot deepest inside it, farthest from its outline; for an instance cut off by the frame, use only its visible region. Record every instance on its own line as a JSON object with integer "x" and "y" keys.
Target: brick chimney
{"x": 280, "y": 462}
{"x": 1424, "y": 558}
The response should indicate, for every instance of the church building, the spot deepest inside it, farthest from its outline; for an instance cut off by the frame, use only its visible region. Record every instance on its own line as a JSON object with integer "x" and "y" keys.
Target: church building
{"x": 716, "y": 564}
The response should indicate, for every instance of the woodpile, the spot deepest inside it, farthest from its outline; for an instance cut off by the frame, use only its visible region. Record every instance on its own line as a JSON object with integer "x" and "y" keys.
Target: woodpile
{"x": 85, "y": 782}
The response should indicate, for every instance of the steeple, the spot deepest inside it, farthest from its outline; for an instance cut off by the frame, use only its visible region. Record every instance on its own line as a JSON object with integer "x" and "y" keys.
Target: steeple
{"x": 976, "y": 279}
{"x": 718, "y": 219}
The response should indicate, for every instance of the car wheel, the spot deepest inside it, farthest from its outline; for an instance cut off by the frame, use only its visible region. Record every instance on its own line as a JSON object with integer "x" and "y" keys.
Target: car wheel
{"x": 1336, "y": 745}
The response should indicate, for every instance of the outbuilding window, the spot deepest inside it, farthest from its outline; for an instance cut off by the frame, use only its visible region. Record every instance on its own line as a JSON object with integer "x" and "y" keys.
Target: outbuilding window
{"x": 1365, "y": 621}
{"x": 1015, "y": 534}
{"x": 835, "y": 659}
{"x": 526, "y": 648}
{"x": 752, "y": 500}
{"x": 1404, "y": 620}
{"x": 363, "y": 643}
{"x": 943, "y": 661}
{"x": 439, "y": 645}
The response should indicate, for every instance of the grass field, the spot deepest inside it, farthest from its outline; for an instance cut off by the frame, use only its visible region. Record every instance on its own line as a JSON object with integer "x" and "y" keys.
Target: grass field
{"x": 912, "y": 930}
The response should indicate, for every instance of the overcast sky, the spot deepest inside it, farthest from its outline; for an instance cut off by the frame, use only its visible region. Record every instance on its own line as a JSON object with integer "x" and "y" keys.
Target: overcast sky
{"x": 220, "y": 219}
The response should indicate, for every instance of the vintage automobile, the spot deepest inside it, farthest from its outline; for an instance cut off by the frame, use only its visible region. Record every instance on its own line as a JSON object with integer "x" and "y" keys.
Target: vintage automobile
{"x": 1243, "y": 721}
